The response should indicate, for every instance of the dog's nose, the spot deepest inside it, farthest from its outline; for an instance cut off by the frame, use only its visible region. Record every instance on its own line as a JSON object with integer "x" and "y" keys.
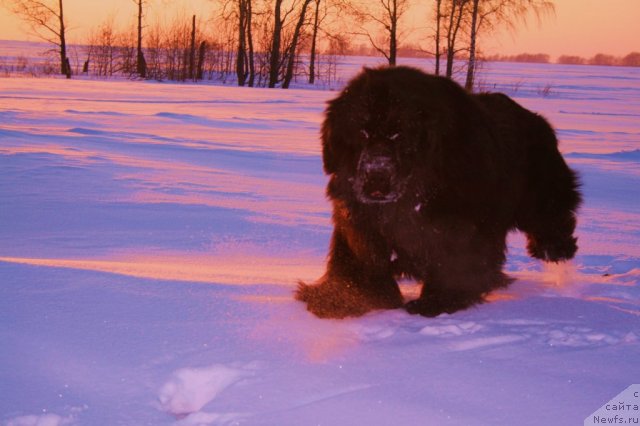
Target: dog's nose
{"x": 378, "y": 163}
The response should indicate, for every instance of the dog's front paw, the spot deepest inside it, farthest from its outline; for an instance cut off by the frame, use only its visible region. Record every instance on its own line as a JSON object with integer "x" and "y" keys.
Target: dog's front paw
{"x": 326, "y": 301}
{"x": 552, "y": 250}
{"x": 331, "y": 299}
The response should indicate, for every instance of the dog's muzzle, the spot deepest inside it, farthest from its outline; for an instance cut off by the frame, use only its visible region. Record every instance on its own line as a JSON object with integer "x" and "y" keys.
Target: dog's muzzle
{"x": 376, "y": 180}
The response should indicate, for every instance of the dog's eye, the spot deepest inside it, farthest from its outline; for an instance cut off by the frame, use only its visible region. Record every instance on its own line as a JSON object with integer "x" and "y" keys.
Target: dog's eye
{"x": 394, "y": 136}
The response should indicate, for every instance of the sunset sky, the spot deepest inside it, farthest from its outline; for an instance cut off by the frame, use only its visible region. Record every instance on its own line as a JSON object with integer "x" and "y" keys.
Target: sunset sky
{"x": 579, "y": 27}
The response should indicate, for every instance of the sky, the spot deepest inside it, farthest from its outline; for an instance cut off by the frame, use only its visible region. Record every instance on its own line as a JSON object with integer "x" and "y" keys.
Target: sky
{"x": 579, "y": 27}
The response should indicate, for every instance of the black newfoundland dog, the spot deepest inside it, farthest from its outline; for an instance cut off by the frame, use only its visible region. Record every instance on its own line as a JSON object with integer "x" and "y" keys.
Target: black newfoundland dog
{"x": 426, "y": 181}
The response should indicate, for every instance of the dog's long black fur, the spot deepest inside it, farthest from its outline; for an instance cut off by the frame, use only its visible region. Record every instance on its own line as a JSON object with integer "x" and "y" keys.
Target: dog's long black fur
{"x": 426, "y": 180}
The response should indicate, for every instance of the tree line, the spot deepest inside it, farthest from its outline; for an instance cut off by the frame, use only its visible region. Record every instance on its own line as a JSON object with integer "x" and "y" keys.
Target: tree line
{"x": 271, "y": 43}
{"x": 630, "y": 60}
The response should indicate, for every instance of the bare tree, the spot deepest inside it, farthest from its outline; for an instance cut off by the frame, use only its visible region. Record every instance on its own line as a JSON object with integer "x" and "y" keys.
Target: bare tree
{"x": 241, "y": 56}
{"x": 102, "y": 45}
{"x": 46, "y": 19}
{"x": 192, "y": 49}
{"x": 385, "y": 15}
{"x": 438, "y": 52}
{"x": 170, "y": 49}
{"x": 202, "y": 56}
{"x": 450, "y": 21}
{"x": 314, "y": 42}
{"x": 245, "y": 65}
{"x": 454, "y": 14}
{"x": 328, "y": 69}
{"x": 326, "y": 32}
{"x": 291, "y": 54}
{"x": 487, "y": 15}
{"x": 154, "y": 52}
{"x": 276, "y": 40}
{"x": 126, "y": 52}
{"x": 226, "y": 47}
{"x": 141, "y": 63}
{"x": 284, "y": 40}
{"x": 249, "y": 32}
{"x": 473, "y": 35}
{"x": 263, "y": 39}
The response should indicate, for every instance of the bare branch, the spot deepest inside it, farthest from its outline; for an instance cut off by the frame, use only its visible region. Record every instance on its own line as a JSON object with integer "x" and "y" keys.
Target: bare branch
{"x": 46, "y": 21}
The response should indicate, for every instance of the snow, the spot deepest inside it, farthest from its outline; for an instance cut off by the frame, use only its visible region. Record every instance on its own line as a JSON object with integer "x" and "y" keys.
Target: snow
{"x": 42, "y": 420}
{"x": 151, "y": 236}
{"x": 190, "y": 389}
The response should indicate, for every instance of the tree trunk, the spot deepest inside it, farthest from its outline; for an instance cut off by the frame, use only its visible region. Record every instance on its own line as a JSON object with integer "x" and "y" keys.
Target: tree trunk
{"x": 67, "y": 65}
{"x": 141, "y": 63}
{"x": 450, "y": 41}
{"x": 294, "y": 44}
{"x": 472, "y": 47}
{"x": 201, "y": 54}
{"x": 249, "y": 20}
{"x": 393, "y": 31}
{"x": 65, "y": 69}
{"x": 241, "y": 55}
{"x": 312, "y": 59}
{"x": 274, "y": 57}
{"x": 192, "y": 50}
{"x": 438, "y": 24}
{"x": 452, "y": 33}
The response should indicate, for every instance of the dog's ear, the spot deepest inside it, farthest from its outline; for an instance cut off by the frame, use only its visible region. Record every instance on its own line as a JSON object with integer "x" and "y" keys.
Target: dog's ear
{"x": 332, "y": 134}
{"x": 350, "y": 107}
{"x": 329, "y": 159}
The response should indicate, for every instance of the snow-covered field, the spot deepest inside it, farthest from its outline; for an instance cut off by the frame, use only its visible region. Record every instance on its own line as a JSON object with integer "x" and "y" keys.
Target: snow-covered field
{"x": 151, "y": 236}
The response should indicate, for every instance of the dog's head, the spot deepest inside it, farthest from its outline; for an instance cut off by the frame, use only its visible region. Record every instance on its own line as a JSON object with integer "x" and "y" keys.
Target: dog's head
{"x": 380, "y": 128}
{"x": 397, "y": 128}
